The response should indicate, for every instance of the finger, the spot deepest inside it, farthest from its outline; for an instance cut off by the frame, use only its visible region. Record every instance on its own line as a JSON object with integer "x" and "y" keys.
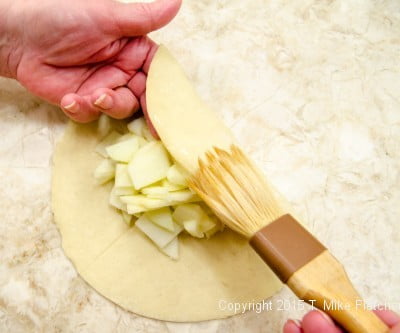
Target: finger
{"x": 138, "y": 84}
{"x": 292, "y": 327}
{"x": 119, "y": 103}
{"x": 127, "y": 66}
{"x": 395, "y": 329}
{"x": 317, "y": 322}
{"x": 388, "y": 317}
{"x": 79, "y": 108}
{"x": 134, "y": 19}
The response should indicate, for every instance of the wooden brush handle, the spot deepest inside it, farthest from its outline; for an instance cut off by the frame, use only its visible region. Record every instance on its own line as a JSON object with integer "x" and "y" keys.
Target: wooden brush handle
{"x": 323, "y": 282}
{"x": 314, "y": 275}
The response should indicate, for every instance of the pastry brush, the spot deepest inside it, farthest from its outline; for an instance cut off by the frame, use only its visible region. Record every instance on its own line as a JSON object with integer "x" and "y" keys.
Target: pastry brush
{"x": 243, "y": 199}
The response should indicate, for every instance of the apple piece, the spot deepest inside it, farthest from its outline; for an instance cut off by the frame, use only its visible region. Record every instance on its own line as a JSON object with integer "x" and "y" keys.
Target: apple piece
{"x": 217, "y": 227}
{"x": 145, "y": 202}
{"x": 151, "y": 203}
{"x": 187, "y": 212}
{"x": 136, "y": 126}
{"x": 135, "y": 209}
{"x": 147, "y": 134}
{"x": 172, "y": 187}
{"x": 103, "y": 125}
{"x": 172, "y": 249}
{"x": 158, "y": 235}
{"x": 193, "y": 228}
{"x": 127, "y": 218}
{"x": 105, "y": 171}
{"x": 149, "y": 165}
{"x": 108, "y": 140}
{"x": 207, "y": 223}
{"x": 135, "y": 199}
{"x": 122, "y": 178}
{"x": 124, "y": 191}
{"x": 182, "y": 196}
{"x": 115, "y": 201}
{"x": 177, "y": 175}
{"x": 212, "y": 231}
{"x": 142, "y": 141}
{"x": 155, "y": 191}
{"x": 179, "y": 197}
{"x": 123, "y": 151}
{"x": 125, "y": 137}
{"x": 162, "y": 217}
{"x": 194, "y": 212}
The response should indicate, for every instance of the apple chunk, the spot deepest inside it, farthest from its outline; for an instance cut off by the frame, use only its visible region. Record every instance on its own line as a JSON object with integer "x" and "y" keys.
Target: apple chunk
{"x": 104, "y": 125}
{"x": 172, "y": 249}
{"x": 149, "y": 165}
{"x": 115, "y": 200}
{"x": 104, "y": 172}
{"x": 108, "y": 140}
{"x": 187, "y": 212}
{"x": 136, "y": 126}
{"x": 123, "y": 151}
{"x": 193, "y": 228}
{"x": 124, "y": 190}
{"x": 177, "y": 176}
{"x": 145, "y": 202}
{"x": 182, "y": 196}
{"x": 158, "y": 235}
{"x": 172, "y": 187}
{"x": 127, "y": 218}
{"x": 190, "y": 217}
{"x": 196, "y": 221}
{"x": 122, "y": 178}
{"x": 155, "y": 191}
{"x": 135, "y": 209}
{"x": 162, "y": 217}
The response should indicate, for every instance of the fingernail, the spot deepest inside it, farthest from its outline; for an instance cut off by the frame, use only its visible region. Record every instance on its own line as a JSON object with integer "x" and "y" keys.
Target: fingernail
{"x": 104, "y": 101}
{"x": 72, "y": 108}
{"x": 326, "y": 317}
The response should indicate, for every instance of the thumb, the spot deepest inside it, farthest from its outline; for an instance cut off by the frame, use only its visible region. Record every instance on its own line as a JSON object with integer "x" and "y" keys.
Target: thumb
{"x": 135, "y": 19}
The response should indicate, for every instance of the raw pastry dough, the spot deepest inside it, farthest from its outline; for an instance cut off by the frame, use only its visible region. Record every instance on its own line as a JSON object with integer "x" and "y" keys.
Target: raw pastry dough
{"x": 124, "y": 266}
{"x": 187, "y": 127}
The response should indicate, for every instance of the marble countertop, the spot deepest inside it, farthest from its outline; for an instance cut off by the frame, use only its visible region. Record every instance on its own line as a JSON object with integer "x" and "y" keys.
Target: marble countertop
{"x": 310, "y": 88}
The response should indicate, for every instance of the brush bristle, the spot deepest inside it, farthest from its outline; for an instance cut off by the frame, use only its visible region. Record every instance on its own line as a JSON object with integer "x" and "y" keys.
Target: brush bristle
{"x": 236, "y": 191}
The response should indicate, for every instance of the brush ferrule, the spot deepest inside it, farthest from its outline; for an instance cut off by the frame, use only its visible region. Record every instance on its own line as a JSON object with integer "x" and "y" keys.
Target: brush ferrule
{"x": 286, "y": 246}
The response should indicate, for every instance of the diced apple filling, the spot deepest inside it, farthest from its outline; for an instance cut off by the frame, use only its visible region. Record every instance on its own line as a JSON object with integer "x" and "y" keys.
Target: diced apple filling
{"x": 123, "y": 151}
{"x": 105, "y": 171}
{"x": 176, "y": 175}
{"x": 104, "y": 125}
{"x": 122, "y": 178}
{"x": 162, "y": 217}
{"x": 158, "y": 235}
{"x": 110, "y": 138}
{"x": 151, "y": 187}
{"x": 137, "y": 126}
{"x": 149, "y": 165}
{"x": 172, "y": 249}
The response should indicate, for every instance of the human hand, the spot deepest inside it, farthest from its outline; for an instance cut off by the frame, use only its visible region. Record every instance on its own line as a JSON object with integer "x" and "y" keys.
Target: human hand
{"x": 318, "y": 322}
{"x": 86, "y": 56}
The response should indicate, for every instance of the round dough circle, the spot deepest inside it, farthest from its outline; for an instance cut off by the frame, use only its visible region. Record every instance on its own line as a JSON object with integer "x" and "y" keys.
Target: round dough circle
{"x": 124, "y": 266}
